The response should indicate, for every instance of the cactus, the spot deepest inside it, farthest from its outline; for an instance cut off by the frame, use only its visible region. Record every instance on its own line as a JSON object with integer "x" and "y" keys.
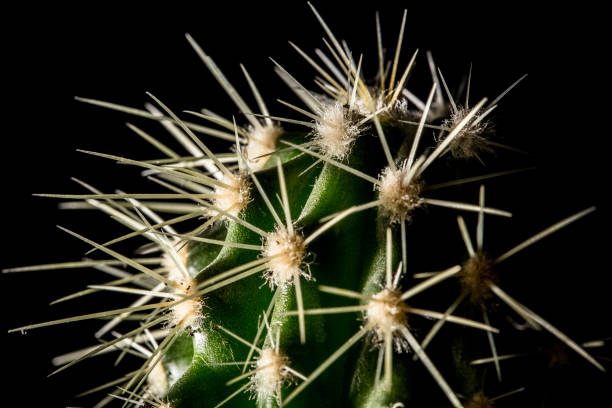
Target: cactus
{"x": 303, "y": 274}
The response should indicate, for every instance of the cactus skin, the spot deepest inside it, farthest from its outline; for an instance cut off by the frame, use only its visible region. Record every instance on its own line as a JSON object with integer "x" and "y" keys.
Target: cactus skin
{"x": 231, "y": 304}
{"x": 238, "y": 310}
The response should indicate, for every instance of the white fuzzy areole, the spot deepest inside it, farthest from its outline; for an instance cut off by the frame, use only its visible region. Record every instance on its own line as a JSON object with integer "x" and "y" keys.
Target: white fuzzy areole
{"x": 262, "y": 141}
{"x": 289, "y": 251}
{"x": 236, "y": 196}
{"x": 469, "y": 142}
{"x": 335, "y": 134}
{"x": 270, "y": 375}
{"x": 157, "y": 381}
{"x": 398, "y": 199}
{"x": 402, "y": 109}
{"x": 386, "y": 311}
{"x": 186, "y": 314}
{"x": 367, "y": 107}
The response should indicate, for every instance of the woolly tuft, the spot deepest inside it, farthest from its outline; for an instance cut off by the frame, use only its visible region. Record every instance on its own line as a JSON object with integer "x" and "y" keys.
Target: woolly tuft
{"x": 398, "y": 198}
{"x": 288, "y": 251}
{"x": 335, "y": 134}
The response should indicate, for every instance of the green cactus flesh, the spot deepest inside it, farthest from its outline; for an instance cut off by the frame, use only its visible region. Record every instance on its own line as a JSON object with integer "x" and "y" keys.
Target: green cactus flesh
{"x": 298, "y": 290}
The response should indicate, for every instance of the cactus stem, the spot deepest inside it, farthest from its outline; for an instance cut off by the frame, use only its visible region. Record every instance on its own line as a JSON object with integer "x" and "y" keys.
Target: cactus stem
{"x": 234, "y": 394}
{"x": 329, "y": 361}
{"x": 335, "y": 163}
{"x": 200, "y": 352}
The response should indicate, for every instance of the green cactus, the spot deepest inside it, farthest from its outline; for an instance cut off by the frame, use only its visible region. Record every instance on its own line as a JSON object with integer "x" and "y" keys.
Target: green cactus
{"x": 298, "y": 279}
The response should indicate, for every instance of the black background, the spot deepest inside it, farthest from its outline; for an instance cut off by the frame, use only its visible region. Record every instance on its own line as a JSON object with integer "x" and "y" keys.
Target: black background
{"x": 559, "y": 114}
